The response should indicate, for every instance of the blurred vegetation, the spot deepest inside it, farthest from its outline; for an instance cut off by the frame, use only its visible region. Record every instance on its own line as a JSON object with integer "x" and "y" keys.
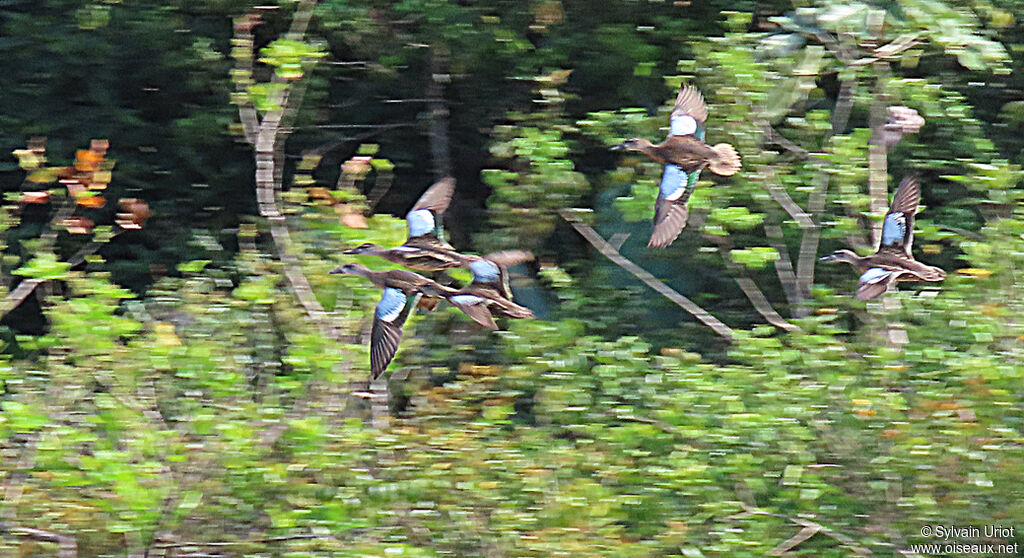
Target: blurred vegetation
{"x": 164, "y": 393}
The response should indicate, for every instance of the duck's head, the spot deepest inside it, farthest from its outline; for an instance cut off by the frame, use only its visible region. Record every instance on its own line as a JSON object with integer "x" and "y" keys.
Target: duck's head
{"x": 841, "y": 255}
{"x": 351, "y": 269}
{"x": 633, "y": 144}
{"x": 368, "y": 248}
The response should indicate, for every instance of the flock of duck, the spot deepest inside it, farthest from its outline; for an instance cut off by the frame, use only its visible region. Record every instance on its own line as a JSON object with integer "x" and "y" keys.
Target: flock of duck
{"x": 684, "y": 154}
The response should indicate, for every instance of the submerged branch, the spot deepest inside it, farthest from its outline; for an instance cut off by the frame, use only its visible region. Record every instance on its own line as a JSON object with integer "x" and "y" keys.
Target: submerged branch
{"x": 651, "y": 281}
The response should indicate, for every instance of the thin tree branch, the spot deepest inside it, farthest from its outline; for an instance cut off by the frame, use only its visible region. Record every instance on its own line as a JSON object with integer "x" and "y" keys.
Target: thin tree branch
{"x": 771, "y": 136}
{"x": 783, "y": 265}
{"x": 749, "y": 288}
{"x": 268, "y": 540}
{"x": 27, "y": 286}
{"x": 878, "y": 172}
{"x": 268, "y": 143}
{"x": 18, "y": 295}
{"x": 300, "y": 21}
{"x": 328, "y": 147}
{"x": 68, "y": 547}
{"x": 807, "y": 526}
{"x": 439, "y": 145}
{"x": 808, "y": 254}
{"x": 651, "y": 281}
{"x": 242, "y": 45}
{"x": 782, "y": 197}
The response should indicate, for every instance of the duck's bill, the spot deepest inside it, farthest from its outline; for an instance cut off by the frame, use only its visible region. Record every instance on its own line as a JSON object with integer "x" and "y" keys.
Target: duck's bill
{"x": 619, "y": 147}
{"x": 828, "y": 258}
{"x": 336, "y": 270}
{"x": 350, "y": 251}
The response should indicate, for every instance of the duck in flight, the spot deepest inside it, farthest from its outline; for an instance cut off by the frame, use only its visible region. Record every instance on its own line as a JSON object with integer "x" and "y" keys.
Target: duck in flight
{"x": 480, "y": 302}
{"x": 402, "y": 290}
{"x": 893, "y": 260}
{"x": 425, "y": 249}
{"x": 684, "y": 155}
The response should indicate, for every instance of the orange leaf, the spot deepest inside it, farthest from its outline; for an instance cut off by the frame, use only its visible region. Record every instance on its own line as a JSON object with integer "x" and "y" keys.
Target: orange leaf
{"x": 87, "y": 160}
{"x": 322, "y": 194}
{"x": 92, "y": 202}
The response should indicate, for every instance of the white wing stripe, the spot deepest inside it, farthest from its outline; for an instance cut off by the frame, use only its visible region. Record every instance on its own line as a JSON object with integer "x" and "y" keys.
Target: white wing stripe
{"x": 682, "y": 125}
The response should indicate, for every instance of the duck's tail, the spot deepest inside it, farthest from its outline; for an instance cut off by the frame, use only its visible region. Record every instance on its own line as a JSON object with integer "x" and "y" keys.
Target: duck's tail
{"x": 727, "y": 162}
{"x": 934, "y": 274}
{"x": 520, "y": 312}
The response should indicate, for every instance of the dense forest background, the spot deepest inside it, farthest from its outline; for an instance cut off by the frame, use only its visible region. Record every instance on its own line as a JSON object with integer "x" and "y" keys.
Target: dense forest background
{"x": 181, "y": 376}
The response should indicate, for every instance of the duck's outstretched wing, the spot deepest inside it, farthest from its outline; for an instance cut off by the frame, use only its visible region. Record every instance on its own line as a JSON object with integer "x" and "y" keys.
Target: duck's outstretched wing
{"x": 425, "y": 217}
{"x": 390, "y": 315}
{"x": 874, "y": 282}
{"x": 689, "y": 113}
{"x": 670, "y": 210}
{"x": 475, "y": 307}
{"x": 898, "y": 225}
{"x": 491, "y": 271}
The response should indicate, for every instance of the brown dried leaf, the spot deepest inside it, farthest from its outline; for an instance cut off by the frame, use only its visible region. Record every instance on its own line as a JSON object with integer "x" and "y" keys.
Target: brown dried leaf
{"x": 78, "y": 225}
{"x": 100, "y": 146}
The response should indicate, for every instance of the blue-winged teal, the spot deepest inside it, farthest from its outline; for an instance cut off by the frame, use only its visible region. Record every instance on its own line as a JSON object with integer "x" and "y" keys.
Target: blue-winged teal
{"x": 480, "y": 304}
{"x": 402, "y": 290}
{"x": 684, "y": 154}
{"x": 893, "y": 260}
{"x": 490, "y": 272}
{"x": 425, "y": 249}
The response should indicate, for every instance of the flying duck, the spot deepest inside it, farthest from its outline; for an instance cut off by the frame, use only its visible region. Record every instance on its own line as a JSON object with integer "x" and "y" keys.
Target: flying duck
{"x": 893, "y": 260}
{"x": 684, "y": 154}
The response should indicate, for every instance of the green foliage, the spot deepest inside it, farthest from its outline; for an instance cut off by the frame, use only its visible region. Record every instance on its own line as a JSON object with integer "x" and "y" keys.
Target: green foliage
{"x": 211, "y": 409}
{"x": 288, "y": 57}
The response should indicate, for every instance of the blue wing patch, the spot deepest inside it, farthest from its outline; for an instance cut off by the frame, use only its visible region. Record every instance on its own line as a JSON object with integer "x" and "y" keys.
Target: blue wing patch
{"x": 484, "y": 271}
{"x": 682, "y": 125}
{"x": 673, "y": 183}
{"x": 390, "y": 305}
{"x": 894, "y": 229}
{"x": 421, "y": 222}
{"x": 874, "y": 275}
